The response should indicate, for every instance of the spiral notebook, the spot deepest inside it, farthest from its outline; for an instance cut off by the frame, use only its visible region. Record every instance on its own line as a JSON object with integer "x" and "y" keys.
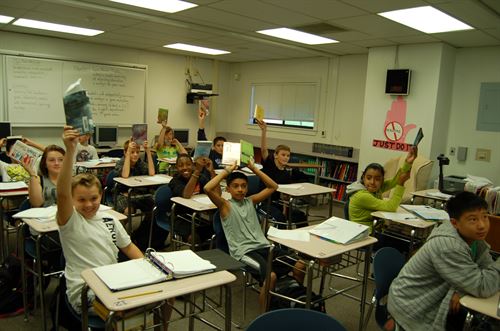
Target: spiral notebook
{"x": 155, "y": 267}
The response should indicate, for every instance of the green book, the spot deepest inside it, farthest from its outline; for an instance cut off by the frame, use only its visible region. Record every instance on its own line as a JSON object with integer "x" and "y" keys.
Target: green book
{"x": 162, "y": 115}
{"x": 246, "y": 152}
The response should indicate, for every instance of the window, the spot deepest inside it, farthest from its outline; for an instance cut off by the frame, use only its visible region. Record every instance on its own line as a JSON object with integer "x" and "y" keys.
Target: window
{"x": 286, "y": 104}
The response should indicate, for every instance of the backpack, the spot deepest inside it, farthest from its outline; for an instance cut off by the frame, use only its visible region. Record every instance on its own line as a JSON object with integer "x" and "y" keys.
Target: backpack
{"x": 289, "y": 287}
{"x": 11, "y": 297}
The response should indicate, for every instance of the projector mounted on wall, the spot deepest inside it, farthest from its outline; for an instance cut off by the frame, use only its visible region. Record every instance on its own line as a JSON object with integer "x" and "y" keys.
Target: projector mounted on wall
{"x": 199, "y": 92}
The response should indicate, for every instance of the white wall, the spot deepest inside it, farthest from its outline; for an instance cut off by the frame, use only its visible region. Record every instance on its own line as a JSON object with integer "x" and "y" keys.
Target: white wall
{"x": 473, "y": 66}
{"x": 341, "y": 97}
{"x": 425, "y": 61}
{"x": 166, "y": 85}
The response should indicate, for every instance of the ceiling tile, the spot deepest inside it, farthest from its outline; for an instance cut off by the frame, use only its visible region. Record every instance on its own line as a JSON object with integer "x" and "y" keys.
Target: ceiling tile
{"x": 379, "y": 6}
{"x": 374, "y": 25}
{"x": 471, "y": 13}
{"x": 321, "y": 9}
{"x": 416, "y": 39}
{"x": 470, "y": 38}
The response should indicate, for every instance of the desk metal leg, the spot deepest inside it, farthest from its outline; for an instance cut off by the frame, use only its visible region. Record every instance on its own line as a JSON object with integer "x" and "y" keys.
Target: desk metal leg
{"x": 40, "y": 279}
{"x": 85, "y": 308}
{"x": 129, "y": 211}
{"x": 366, "y": 270}
{"x": 412, "y": 242}
{"x": 191, "y": 311}
{"x": 20, "y": 237}
{"x": 309, "y": 275}
{"x": 3, "y": 240}
{"x": 193, "y": 232}
{"x": 227, "y": 310}
{"x": 468, "y": 321}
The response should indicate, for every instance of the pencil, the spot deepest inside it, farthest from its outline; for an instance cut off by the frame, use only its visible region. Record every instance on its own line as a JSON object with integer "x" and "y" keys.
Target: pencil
{"x": 139, "y": 294}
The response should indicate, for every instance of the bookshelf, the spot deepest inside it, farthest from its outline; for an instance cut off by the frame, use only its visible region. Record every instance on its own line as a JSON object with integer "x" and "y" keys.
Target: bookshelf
{"x": 334, "y": 173}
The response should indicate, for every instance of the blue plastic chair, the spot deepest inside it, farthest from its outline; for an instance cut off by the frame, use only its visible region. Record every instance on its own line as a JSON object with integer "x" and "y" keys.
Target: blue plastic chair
{"x": 295, "y": 319}
{"x": 220, "y": 237}
{"x": 387, "y": 263}
{"x": 109, "y": 194}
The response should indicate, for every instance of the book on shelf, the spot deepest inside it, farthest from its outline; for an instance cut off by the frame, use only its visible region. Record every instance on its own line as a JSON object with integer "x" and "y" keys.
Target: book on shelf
{"x": 203, "y": 148}
{"x": 139, "y": 133}
{"x": 77, "y": 108}
{"x": 25, "y": 154}
{"x": 154, "y": 268}
{"x": 340, "y": 231}
{"x": 162, "y": 115}
{"x": 427, "y": 213}
{"x": 259, "y": 113}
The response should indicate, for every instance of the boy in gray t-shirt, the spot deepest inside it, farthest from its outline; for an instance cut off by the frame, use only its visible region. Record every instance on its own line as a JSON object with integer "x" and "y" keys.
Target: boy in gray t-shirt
{"x": 242, "y": 229}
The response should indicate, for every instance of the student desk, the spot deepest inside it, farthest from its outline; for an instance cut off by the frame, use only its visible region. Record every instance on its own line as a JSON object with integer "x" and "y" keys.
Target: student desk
{"x": 485, "y": 306}
{"x": 318, "y": 249}
{"x": 301, "y": 190}
{"x": 419, "y": 229}
{"x": 4, "y": 230}
{"x": 198, "y": 203}
{"x": 135, "y": 182}
{"x": 114, "y": 301}
{"x": 96, "y": 165}
{"x": 428, "y": 194}
{"x": 43, "y": 228}
{"x": 171, "y": 163}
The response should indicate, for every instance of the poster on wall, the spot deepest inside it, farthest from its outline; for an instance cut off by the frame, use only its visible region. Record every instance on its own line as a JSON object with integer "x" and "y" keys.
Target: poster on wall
{"x": 395, "y": 128}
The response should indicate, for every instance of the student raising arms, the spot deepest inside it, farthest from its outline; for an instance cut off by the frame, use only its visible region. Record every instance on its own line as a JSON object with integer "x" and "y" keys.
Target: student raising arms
{"x": 42, "y": 189}
{"x": 365, "y": 196}
{"x": 167, "y": 146}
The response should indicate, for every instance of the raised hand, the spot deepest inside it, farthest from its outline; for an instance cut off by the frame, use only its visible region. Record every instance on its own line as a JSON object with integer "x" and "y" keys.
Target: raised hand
{"x": 262, "y": 124}
{"x": 145, "y": 144}
{"x": 70, "y": 137}
{"x": 412, "y": 155}
{"x": 403, "y": 177}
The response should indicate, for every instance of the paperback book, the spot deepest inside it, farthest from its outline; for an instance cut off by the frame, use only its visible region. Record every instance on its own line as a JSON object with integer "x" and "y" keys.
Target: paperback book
{"x": 77, "y": 109}
{"x": 241, "y": 152}
{"x": 139, "y": 133}
{"x": 203, "y": 148}
{"x": 155, "y": 267}
{"x": 258, "y": 113}
{"x": 25, "y": 154}
{"x": 246, "y": 152}
{"x": 419, "y": 137}
{"x": 162, "y": 115}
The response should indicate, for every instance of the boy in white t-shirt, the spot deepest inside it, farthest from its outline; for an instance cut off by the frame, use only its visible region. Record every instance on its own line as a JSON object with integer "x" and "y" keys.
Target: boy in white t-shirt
{"x": 89, "y": 238}
{"x": 84, "y": 151}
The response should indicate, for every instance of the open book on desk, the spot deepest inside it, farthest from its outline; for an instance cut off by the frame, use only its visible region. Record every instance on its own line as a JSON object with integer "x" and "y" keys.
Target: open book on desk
{"x": 155, "y": 267}
{"x": 340, "y": 231}
{"x": 427, "y": 213}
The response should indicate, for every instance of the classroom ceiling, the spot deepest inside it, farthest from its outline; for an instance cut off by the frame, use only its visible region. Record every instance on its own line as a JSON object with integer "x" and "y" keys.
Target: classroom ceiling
{"x": 231, "y": 24}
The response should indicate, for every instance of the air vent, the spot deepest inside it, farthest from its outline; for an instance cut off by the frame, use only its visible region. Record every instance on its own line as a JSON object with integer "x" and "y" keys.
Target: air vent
{"x": 320, "y": 28}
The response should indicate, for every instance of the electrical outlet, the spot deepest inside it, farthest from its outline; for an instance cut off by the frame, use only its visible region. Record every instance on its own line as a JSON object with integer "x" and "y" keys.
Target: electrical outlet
{"x": 483, "y": 154}
{"x": 323, "y": 134}
{"x": 452, "y": 151}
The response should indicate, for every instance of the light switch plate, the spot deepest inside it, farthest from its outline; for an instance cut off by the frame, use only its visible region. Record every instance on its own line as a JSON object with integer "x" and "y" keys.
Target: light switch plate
{"x": 483, "y": 154}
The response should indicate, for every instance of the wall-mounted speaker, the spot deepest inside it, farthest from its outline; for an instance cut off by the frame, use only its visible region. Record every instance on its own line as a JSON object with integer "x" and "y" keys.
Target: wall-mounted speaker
{"x": 398, "y": 81}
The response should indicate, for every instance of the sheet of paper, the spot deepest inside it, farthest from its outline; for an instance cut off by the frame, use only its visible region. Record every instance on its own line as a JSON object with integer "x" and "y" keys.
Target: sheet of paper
{"x": 203, "y": 199}
{"x": 299, "y": 235}
{"x": 48, "y": 212}
{"x": 160, "y": 179}
{"x": 399, "y": 216}
{"x": 439, "y": 195}
{"x": 290, "y": 186}
{"x": 13, "y": 185}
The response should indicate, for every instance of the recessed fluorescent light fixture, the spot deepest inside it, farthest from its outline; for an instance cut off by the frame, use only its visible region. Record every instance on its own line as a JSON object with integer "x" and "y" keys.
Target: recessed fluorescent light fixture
{"x": 426, "y": 19}
{"x": 56, "y": 27}
{"x": 196, "y": 49}
{"x": 5, "y": 19}
{"x": 167, "y": 6}
{"x": 298, "y": 36}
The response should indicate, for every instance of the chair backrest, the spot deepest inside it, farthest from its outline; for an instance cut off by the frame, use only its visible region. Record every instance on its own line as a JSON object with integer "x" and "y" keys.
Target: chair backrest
{"x": 253, "y": 185}
{"x": 220, "y": 237}
{"x": 295, "y": 319}
{"x": 108, "y": 188}
{"x": 346, "y": 208}
{"x": 419, "y": 174}
{"x": 117, "y": 152}
{"x": 387, "y": 263}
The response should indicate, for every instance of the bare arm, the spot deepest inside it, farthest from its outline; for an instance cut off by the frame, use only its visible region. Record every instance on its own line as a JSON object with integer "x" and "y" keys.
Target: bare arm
{"x": 180, "y": 148}
{"x": 35, "y": 193}
{"x": 151, "y": 165}
{"x": 32, "y": 143}
{"x": 212, "y": 189}
{"x": 132, "y": 252}
{"x": 271, "y": 185}
{"x": 263, "y": 139}
{"x": 126, "y": 162}
{"x": 64, "y": 199}
{"x": 199, "y": 164}
{"x": 161, "y": 138}
{"x": 201, "y": 116}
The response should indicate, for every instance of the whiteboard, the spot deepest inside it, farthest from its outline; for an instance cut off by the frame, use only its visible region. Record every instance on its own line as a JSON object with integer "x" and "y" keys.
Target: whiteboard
{"x": 35, "y": 89}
